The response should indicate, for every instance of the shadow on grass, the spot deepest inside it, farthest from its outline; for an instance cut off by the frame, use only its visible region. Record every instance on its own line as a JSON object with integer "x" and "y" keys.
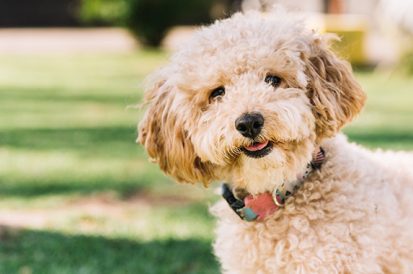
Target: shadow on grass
{"x": 382, "y": 139}
{"x": 28, "y": 251}
{"x": 49, "y": 95}
{"x": 32, "y": 188}
{"x": 109, "y": 139}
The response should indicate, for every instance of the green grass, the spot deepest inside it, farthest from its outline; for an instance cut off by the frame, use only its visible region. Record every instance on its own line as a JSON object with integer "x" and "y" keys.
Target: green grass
{"x": 31, "y": 251}
{"x": 67, "y": 136}
{"x": 77, "y": 195}
{"x": 386, "y": 121}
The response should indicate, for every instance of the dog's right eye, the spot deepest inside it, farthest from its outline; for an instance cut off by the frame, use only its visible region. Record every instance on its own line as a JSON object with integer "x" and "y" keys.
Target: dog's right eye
{"x": 219, "y": 91}
{"x": 273, "y": 80}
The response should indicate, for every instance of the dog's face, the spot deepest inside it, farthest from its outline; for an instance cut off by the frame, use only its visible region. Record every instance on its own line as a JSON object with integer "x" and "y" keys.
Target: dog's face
{"x": 247, "y": 101}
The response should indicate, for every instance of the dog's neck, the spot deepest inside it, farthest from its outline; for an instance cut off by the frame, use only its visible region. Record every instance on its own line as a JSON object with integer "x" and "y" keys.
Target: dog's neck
{"x": 257, "y": 207}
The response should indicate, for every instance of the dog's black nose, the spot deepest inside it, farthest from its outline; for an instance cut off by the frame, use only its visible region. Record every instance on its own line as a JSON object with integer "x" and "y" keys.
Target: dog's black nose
{"x": 250, "y": 124}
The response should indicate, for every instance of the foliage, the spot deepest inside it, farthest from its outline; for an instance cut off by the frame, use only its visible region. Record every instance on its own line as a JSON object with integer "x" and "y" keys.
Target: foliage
{"x": 106, "y": 12}
{"x": 148, "y": 20}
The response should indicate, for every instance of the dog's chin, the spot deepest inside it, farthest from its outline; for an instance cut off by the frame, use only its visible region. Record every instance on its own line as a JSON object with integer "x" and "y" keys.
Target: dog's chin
{"x": 258, "y": 149}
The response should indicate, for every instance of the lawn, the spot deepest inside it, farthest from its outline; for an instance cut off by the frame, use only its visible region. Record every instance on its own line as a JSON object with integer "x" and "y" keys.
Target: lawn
{"x": 77, "y": 195}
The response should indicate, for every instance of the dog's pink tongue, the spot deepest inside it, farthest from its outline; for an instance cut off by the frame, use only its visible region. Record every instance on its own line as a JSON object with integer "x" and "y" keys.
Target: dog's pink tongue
{"x": 257, "y": 146}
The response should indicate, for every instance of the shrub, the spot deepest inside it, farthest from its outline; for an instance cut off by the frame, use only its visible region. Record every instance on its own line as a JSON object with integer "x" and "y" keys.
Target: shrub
{"x": 149, "y": 20}
{"x": 103, "y": 12}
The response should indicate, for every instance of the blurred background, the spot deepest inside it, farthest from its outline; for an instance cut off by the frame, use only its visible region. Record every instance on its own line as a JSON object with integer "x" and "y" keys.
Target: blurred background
{"x": 77, "y": 195}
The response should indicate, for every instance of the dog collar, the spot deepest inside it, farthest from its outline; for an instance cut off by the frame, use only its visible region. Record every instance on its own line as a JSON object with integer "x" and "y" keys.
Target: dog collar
{"x": 257, "y": 207}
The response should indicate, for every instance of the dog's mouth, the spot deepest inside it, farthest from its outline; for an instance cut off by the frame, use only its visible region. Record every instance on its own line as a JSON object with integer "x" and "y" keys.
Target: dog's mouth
{"x": 258, "y": 150}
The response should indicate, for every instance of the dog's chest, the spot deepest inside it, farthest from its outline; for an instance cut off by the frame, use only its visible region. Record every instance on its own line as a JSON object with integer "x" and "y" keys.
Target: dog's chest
{"x": 332, "y": 224}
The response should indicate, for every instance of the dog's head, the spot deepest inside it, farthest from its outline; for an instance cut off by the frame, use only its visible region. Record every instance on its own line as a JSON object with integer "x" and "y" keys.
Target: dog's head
{"x": 247, "y": 100}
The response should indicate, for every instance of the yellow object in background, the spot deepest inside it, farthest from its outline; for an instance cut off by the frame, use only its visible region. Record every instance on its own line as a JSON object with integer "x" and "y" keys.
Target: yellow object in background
{"x": 352, "y": 29}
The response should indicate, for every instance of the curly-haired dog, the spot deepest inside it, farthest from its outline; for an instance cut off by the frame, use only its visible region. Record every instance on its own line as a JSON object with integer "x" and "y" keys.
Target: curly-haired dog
{"x": 258, "y": 101}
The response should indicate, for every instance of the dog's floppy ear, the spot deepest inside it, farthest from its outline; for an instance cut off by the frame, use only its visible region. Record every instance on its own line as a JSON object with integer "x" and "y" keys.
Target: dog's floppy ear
{"x": 162, "y": 133}
{"x": 334, "y": 92}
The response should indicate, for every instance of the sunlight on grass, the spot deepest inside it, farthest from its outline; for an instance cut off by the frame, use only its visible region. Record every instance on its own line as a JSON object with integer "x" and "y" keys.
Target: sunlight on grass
{"x": 106, "y": 214}
{"x": 22, "y": 171}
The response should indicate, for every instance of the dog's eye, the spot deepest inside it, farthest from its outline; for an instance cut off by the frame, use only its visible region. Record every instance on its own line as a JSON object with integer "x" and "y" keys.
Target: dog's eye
{"x": 273, "y": 80}
{"x": 219, "y": 91}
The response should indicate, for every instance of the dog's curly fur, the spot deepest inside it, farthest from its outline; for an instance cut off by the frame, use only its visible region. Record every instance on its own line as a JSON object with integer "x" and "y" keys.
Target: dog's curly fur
{"x": 352, "y": 216}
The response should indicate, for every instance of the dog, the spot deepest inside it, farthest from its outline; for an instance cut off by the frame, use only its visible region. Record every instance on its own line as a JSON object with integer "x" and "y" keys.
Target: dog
{"x": 258, "y": 101}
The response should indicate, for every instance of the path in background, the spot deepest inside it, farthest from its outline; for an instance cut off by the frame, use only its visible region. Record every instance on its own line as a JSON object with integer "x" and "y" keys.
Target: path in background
{"x": 57, "y": 40}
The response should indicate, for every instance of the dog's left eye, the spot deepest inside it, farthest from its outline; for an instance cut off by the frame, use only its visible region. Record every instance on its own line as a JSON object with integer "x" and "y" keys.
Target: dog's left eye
{"x": 273, "y": 80}
{"x": 219, "y": 91}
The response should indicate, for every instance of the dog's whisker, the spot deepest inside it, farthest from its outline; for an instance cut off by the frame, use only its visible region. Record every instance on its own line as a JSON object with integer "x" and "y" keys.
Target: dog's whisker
{"x": 231, "y": 153}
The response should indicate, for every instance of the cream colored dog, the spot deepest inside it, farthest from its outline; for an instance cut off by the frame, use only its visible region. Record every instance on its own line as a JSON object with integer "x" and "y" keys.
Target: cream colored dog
{"x": 248, "y": 101}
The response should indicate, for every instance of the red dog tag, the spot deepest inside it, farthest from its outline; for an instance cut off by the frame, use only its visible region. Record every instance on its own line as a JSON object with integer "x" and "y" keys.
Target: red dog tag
{"x": 262, "y": 205}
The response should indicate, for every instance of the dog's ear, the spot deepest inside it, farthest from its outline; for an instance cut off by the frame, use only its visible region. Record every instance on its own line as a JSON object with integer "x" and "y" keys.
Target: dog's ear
{"x": 334, "y": 92}
{"x": 162, "y": 133}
